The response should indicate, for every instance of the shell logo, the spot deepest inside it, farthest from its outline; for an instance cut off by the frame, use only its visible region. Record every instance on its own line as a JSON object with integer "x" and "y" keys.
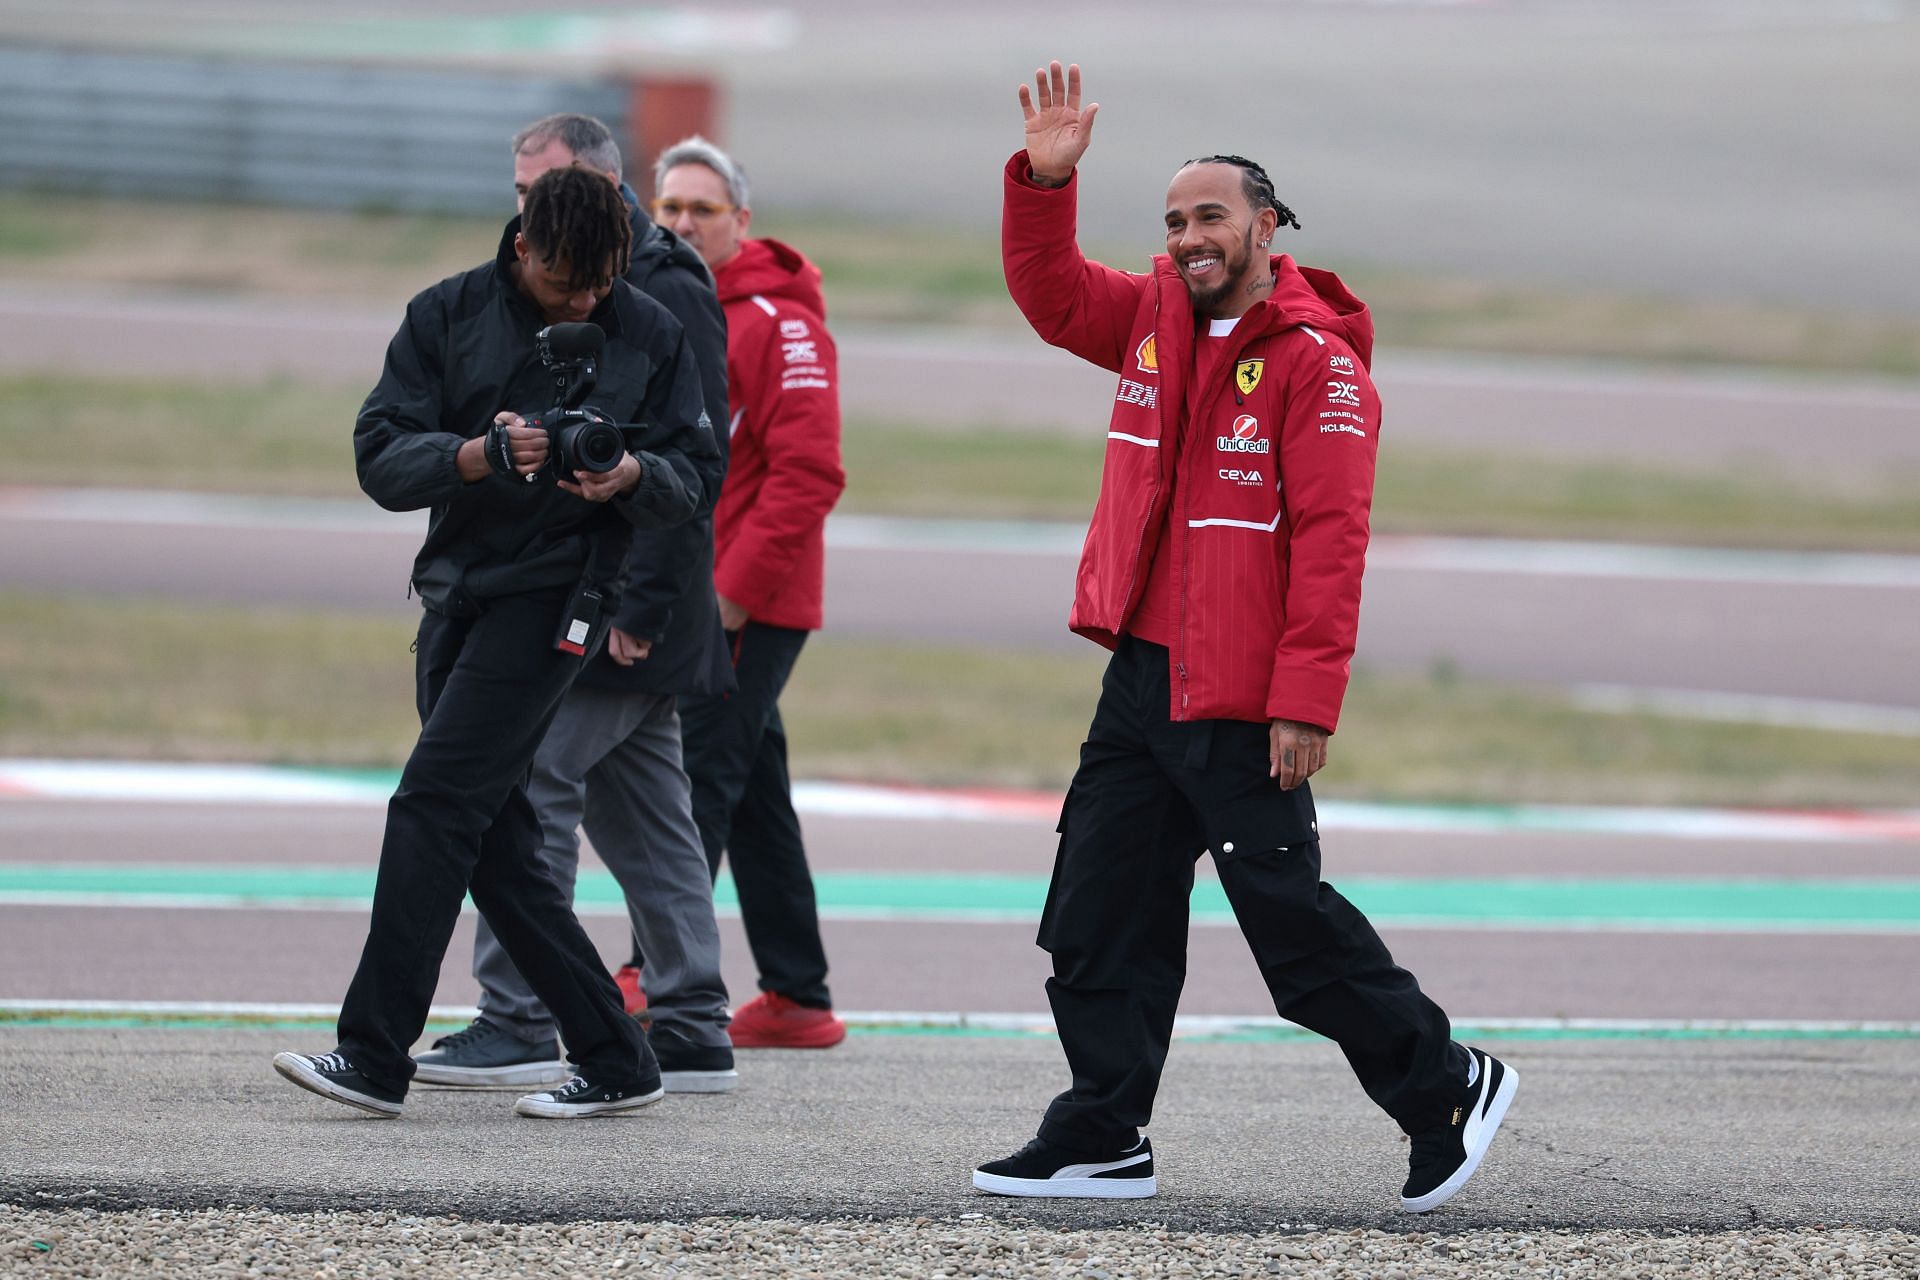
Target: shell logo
{"x": 1146, "y": 357}
{"x": 1246, "y": 427}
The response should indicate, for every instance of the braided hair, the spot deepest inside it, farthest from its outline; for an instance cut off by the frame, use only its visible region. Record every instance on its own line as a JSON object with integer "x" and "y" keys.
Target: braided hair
{"x": 576, "y": 216}
{"x": 1256, "y": 184}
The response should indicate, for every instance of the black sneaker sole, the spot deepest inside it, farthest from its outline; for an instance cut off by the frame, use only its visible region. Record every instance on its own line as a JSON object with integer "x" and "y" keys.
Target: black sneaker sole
{"x": 542, "y": 1108}
{"x": 295, "y": 1068}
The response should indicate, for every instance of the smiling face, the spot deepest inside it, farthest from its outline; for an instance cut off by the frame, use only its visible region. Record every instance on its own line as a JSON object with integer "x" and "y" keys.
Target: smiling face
{"x": 1211, "y": 235}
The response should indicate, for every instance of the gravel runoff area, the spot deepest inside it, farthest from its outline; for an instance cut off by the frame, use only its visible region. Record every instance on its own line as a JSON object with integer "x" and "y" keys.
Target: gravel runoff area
{"x": 90, "y": 1242}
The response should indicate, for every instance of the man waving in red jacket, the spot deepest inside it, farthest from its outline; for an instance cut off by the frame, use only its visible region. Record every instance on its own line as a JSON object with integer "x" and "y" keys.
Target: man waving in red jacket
{"x": 769, "y": 561}
{"x": 1223, "y": 569}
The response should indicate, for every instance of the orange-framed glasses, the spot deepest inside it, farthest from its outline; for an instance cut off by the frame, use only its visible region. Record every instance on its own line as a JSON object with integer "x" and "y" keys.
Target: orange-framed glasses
{"x": 669, "y": 208}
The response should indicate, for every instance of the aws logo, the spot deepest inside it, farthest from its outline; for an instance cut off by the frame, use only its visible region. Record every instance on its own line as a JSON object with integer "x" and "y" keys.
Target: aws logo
{"x": 1146, "y": 356}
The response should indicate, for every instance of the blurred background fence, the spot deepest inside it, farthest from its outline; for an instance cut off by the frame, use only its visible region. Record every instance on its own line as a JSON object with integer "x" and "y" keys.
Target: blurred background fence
{"x": 275, "y": 132}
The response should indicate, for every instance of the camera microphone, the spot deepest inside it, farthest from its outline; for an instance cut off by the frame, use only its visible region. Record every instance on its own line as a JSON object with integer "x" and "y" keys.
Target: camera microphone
{"x": 571, "y": 342}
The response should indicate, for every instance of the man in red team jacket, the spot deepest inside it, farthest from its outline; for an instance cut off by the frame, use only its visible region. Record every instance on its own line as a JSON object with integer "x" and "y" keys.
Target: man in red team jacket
{"x": 1223, "y": 569}
{"x": 770, "y": 556}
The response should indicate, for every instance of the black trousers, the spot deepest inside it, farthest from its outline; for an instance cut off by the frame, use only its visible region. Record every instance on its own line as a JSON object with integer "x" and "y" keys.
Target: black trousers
{"x": 1149, "y": 797}
{"x": 736, "y": 755}
{"x": 460, "y": 823}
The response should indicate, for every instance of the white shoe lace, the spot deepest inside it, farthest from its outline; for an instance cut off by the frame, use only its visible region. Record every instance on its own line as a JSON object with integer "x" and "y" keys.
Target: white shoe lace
{"x": 330, "y": 1062}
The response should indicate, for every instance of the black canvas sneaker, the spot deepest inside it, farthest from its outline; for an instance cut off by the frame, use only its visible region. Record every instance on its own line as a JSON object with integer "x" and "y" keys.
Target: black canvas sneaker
{"x": 1042, "y": 1169}
{"x": 1445, "y": 1156}
{"x": 686, "y": 1067}
{"x": 331, "y": 1076}
{"x": 483, "y": 1056}
{"x": 581, "y": 1097}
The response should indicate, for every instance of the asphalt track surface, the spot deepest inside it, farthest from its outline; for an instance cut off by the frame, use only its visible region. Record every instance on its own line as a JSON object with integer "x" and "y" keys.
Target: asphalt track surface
{"x": 293, "y": 953}
{"x": 1255, "y": 1131}
{"x": 1252, "y": 1137}
{"x": 1820, "y": 628}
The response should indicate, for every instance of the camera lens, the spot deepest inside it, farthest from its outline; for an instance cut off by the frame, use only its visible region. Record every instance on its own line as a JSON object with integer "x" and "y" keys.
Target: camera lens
{"x": 593, "y": 446}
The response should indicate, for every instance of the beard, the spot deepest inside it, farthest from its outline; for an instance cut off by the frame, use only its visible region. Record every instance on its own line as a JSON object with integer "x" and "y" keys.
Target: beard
{"x": 1237, "y": 264}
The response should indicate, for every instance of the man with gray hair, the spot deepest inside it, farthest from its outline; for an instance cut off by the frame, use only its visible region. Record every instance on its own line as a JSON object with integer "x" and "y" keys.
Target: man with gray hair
{"x": 613, "y": 756}
{"x": 769, "y": 537}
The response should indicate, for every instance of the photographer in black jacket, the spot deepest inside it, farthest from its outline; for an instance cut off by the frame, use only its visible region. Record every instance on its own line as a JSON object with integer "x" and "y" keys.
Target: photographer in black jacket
{"x": 510, "y": 551}
{"x": 612, "y": 759}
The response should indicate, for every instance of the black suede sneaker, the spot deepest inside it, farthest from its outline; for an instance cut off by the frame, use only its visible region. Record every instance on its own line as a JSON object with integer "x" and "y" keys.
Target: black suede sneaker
{"x": 686, "y": 1067}
{"x": 331, "y": 1076}
{"x": 1042, "y": 1169}
{"x": 581, "y": 1097}
{"x": 1446, "y": 1155}
{"x": 483, "y": 1056}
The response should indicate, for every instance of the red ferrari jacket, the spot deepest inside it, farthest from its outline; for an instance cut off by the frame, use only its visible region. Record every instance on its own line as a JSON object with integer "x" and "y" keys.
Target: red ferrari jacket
{"x": 784, "y": 434}
{"x": 1258, "y": 483}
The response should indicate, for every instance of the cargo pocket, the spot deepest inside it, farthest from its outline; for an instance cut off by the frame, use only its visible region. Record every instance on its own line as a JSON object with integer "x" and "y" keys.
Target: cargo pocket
{"x": 1270, "y": 819}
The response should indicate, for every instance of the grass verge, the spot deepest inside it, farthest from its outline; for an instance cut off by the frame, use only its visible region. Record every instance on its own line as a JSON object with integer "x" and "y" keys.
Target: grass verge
{"x": 131, "y": 679}
{"x": 887, "y": 273}
{"x": 295, "y": 439}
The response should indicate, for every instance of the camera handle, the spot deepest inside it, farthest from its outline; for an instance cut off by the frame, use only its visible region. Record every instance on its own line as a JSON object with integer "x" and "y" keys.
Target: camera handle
{"x": 573, "y": 381}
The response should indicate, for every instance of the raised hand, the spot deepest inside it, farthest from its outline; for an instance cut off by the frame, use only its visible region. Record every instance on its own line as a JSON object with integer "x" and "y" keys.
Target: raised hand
{"x": 1058, "y": 131}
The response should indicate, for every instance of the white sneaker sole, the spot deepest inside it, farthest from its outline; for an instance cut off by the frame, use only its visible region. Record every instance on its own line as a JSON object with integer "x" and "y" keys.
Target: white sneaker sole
{"x": 1502, "y": 1099}
{"x": 541, "y": 1108}
{"x": 1067, "y": 1188}
{"x": 699, "y": 1081}
{"x": 520, "y": 1075}
{"x": 295, "y": 1068}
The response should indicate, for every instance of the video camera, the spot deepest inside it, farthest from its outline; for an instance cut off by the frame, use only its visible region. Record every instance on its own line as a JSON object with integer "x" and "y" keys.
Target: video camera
{"x": 578, "y": 438}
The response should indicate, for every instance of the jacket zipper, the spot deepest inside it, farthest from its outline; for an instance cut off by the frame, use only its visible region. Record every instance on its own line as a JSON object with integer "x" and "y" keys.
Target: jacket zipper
{"x": 1184, "y": 493}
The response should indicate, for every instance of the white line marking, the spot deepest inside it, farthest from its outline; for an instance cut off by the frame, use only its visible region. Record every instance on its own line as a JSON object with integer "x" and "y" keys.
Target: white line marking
{"x": 1546, "y": 558}
{"x": 1039, "y": 1023}
{"x": 1139, "y": 440}
{"x": 1747, "y": 708}
{"x": 150, "y": 783}
{"x": 1198, "y": 919}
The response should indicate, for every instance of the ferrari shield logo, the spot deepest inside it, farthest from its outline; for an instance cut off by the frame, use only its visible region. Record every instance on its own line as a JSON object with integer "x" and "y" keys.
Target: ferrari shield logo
{"x": 1246, "y": 375}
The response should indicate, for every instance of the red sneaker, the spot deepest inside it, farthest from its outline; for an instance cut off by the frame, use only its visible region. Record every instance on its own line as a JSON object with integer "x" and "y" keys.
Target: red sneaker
{"x": 771, "y": 1021}
{"x": 627, "y": 978}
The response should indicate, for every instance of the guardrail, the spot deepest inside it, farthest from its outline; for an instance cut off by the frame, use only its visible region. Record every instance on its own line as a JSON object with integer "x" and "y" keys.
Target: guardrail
{"x": 325, "y": 135}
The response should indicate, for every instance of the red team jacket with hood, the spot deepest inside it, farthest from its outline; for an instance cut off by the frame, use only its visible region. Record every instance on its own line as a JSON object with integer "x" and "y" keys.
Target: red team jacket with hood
{"x": 1258, "y": 483}
{"x": 784, "y": 436}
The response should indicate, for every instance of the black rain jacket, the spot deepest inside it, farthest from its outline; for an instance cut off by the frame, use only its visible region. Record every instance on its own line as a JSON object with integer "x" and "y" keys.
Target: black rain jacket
{"x": 670, "y": 597}
{"x": 464, "y": 353}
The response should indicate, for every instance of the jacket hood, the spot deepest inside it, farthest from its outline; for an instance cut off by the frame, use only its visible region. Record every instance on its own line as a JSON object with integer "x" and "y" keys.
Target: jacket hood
{"x": 773, "y": 270}
{"x": 1301, "y": 295}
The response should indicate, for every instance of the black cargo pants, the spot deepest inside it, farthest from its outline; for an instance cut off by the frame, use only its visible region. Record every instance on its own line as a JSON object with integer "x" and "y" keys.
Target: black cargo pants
{"x": 460, "y": 823}
{"x": 1149, "y": 797}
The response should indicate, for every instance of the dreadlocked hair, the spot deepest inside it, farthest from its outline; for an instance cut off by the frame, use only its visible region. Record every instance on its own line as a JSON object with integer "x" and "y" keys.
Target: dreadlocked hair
{"x": 1257, "y": 186}
{"x": 575, "y": 216}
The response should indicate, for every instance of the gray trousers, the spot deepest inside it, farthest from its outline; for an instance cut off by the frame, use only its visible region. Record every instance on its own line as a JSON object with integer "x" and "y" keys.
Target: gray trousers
{"x": 611, "y": 762}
